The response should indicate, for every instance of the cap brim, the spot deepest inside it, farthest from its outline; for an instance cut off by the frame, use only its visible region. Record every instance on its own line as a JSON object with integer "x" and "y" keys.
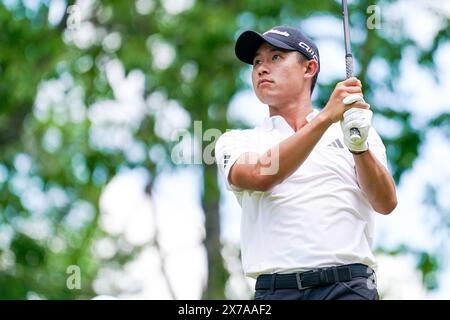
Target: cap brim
{"x": 249, "y": 41}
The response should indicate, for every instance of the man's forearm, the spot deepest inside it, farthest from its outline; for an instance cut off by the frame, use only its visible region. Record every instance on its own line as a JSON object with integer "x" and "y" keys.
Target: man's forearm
{"x": 289, "y": 154}
{"x": 376, "y": 182}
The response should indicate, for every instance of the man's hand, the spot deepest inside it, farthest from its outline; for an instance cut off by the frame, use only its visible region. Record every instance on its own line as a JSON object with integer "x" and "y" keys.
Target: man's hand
{"x": 360, "y": 119}
{"x": 336, "y": 107}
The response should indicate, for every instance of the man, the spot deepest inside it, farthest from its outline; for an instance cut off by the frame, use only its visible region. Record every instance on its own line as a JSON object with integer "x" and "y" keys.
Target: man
{"x": 308, "y": 193}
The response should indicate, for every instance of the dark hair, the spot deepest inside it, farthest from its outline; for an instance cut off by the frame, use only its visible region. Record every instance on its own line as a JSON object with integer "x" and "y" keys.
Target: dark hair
{"x": 301, "y": 59}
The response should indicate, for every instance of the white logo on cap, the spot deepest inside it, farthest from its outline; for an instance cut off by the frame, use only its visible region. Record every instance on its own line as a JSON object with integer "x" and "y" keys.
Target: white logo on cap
{"x": 309, "y": 50}
{"x": 281, "y": 33}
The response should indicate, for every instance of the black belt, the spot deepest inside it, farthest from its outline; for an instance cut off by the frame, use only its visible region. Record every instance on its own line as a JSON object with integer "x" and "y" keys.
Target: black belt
{"x": 313, "y": 278}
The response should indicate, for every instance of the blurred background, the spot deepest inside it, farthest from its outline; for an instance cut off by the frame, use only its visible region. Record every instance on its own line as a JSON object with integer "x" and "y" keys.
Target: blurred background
{"x": 109, "y": 110}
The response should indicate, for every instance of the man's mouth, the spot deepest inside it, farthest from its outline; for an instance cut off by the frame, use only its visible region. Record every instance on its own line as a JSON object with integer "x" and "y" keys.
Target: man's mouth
{"x": 262, "y": 81}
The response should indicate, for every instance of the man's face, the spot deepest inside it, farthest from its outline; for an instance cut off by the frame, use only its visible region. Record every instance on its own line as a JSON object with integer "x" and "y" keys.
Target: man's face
{"x": 278, "y": 76}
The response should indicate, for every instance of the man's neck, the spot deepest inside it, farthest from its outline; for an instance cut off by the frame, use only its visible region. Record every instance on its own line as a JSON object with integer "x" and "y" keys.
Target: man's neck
{"x": 294, "y": 113}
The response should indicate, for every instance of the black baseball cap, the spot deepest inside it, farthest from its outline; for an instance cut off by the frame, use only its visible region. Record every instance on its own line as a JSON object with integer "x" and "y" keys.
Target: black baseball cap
{"x": 281, "y": 37}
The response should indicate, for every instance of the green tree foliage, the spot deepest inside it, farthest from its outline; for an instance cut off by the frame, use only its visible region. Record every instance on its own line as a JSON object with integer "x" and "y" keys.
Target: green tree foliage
{"x": 47, "y": 147}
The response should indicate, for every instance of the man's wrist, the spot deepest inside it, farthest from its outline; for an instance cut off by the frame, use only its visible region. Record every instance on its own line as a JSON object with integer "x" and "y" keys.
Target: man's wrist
{"x": 324, "y": 120}
{"x": 358, "y": 152}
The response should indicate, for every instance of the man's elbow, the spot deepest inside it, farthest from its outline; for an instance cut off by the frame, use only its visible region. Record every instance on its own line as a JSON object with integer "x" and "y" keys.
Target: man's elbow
{"x": 251, "y": 180}
{"x": 263, "y": 184}
{"x": 388, "y": 206}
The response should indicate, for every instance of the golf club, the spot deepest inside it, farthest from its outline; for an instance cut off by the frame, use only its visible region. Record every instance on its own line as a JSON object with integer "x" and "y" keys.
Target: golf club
{"x": 355, "y": 135}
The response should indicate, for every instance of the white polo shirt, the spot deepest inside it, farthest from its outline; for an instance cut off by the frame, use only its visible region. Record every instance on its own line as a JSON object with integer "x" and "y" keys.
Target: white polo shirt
{"x": 317, "y": 217}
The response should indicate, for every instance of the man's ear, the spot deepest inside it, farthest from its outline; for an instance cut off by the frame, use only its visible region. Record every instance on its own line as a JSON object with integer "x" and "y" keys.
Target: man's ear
{"x": 311, "y": 68}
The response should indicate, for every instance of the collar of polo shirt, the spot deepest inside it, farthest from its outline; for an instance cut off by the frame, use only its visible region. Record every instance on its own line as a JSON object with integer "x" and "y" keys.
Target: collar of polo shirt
{"x": 279, "y": 123}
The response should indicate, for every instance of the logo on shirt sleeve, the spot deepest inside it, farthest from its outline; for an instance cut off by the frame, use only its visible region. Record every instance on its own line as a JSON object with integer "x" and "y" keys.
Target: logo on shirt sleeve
{"x": 226, "y": 158}
{"x": 336, "y": 143}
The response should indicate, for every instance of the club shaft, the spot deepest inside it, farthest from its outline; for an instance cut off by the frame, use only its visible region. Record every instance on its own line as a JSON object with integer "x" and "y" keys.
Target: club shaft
{"x": 348, "y": 48}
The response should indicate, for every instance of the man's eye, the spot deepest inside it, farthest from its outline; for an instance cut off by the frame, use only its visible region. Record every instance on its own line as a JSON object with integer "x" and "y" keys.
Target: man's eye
{"x": 256, "y": 62}
{"x": 276, "y": 57}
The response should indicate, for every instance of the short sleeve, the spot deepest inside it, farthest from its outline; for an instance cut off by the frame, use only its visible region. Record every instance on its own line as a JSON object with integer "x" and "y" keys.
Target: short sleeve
{"x": 377, "y": 147}
{"x": 229, "y": 147}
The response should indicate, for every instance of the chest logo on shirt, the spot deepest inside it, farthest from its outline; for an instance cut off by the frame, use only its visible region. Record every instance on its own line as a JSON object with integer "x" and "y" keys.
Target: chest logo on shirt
{"x": 336, "y": 144}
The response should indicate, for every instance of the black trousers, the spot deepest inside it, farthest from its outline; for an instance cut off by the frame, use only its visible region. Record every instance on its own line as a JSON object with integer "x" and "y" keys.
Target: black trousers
{"x": 355, "y": 289}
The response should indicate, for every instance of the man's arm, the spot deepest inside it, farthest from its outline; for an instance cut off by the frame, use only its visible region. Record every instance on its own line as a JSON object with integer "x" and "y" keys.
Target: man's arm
{"x": 289, "y": 154}
{"x": 286, "y": 158}
{"x": 376, "y": 182}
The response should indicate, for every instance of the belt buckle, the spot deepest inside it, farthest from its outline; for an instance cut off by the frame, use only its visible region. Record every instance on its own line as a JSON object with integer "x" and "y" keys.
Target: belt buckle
{"x": 299, "y": 279}
{"x": 299, "y": 282}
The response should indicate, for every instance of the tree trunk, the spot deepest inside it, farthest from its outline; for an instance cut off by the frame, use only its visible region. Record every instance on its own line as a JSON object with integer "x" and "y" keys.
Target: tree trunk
{"x": 217, "y": 273}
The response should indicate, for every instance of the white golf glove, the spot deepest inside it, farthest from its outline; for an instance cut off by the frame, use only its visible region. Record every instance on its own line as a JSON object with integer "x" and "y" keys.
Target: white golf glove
{"x": 360, "y": 119}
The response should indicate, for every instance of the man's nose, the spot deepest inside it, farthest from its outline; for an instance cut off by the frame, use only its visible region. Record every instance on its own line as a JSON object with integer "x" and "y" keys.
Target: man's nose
{"x": 263, "y": 69}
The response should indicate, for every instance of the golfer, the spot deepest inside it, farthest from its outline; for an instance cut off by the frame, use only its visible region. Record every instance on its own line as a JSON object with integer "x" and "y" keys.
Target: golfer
{"x": 308, "y": 193}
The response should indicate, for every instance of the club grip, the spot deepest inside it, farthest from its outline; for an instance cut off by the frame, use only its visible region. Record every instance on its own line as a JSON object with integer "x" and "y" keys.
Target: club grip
{"x": 349, "y": 65}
